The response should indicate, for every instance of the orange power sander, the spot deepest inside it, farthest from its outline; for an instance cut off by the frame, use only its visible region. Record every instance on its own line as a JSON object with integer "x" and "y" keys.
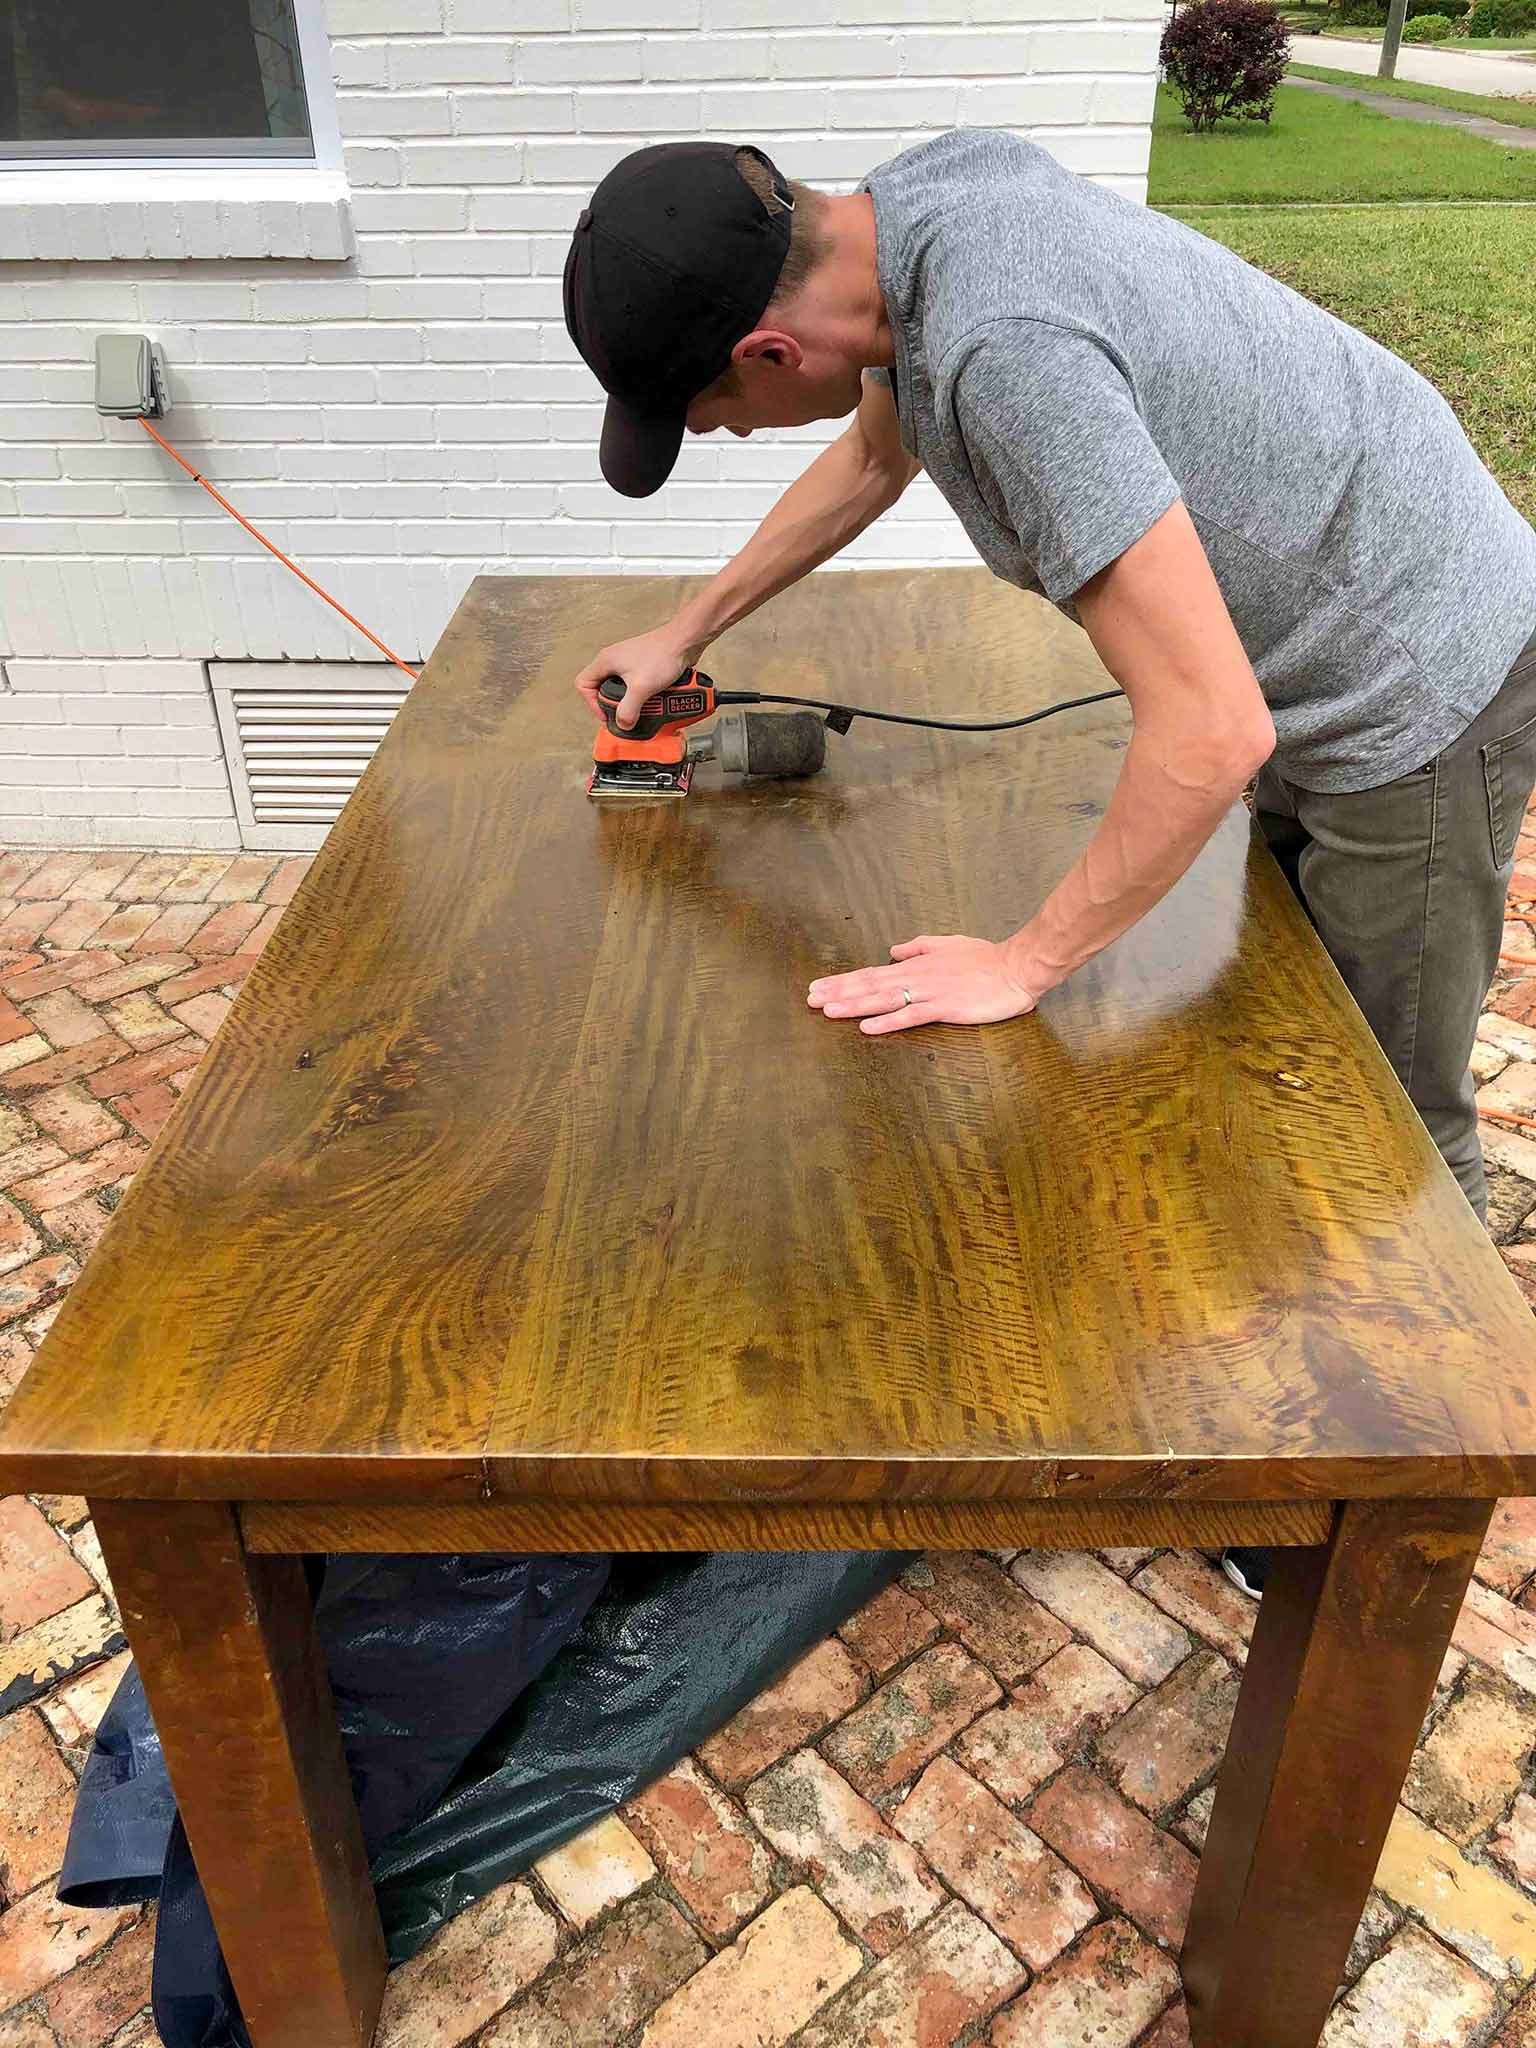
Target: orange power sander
{"x": 654, "y": 758}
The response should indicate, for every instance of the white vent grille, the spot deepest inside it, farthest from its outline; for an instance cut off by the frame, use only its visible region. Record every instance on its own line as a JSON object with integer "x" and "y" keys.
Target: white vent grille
{"x": 297, "y": 735}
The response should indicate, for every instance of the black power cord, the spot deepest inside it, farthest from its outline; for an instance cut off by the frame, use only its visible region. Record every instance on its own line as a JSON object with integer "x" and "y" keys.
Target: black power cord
{"x": 841, "y": 716}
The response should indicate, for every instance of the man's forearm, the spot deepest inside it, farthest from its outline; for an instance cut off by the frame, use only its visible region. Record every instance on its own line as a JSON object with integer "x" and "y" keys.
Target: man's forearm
{"x": 1159, "y": 625}
{"x": 1156, "y": 823}
{"x": 837, "y": 497}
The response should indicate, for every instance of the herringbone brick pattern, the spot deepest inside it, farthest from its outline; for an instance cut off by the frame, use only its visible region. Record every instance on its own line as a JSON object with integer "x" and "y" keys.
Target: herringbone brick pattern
{"x": 972, "y": 1816}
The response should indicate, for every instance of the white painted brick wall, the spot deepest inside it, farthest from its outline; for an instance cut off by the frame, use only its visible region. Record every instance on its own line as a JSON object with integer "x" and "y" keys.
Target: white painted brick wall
{"x": 409, "y": 416}
{"x": 114, "y": 753}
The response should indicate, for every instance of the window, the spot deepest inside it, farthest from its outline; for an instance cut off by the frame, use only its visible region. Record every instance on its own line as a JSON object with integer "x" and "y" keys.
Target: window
{"x": 183, "y": 78}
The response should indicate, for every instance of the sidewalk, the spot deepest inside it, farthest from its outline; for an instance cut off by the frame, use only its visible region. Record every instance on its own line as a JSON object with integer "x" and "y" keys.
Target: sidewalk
{"x": 1425, "y": 64}
{"x": 970, "y": 1819}
{"x": 1420, "y": 110}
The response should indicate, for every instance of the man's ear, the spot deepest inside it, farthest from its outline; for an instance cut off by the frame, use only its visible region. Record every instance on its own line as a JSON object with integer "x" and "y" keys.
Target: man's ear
{"x": 771, "y": 344}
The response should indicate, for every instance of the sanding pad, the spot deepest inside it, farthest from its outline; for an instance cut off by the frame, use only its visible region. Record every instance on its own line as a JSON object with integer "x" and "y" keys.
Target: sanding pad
{"x": 639, "y": 778}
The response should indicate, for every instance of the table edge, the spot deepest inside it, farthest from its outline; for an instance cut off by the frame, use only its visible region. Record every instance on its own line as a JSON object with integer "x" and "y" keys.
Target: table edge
{"x": 641, "y": 1481}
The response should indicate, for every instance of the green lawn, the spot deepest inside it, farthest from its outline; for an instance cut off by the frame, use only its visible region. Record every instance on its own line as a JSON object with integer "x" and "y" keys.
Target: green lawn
{"x": 1466, "y": 44}
{"x": 1519, "y": 113}
{"x": 1448, "y": 288}
{"x": 1319, "y": 148}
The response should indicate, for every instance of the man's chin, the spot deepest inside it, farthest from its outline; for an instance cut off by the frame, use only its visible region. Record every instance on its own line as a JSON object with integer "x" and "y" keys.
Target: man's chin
{"x": 839, "y": 409}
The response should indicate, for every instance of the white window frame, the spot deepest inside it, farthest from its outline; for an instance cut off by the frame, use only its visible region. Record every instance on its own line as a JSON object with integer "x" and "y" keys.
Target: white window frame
{"x": 267, "y": 206}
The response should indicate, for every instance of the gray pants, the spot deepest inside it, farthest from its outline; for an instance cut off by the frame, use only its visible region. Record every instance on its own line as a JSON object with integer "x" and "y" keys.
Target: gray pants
{"x": 1405, "y": 885}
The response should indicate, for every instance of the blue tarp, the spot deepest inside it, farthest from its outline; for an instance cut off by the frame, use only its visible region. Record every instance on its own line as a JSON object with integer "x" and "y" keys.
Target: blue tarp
{"x": 491, "y": 1707}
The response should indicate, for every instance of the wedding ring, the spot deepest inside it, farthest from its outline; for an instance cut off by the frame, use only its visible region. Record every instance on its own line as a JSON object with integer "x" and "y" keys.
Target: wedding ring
{"x": 906, "y": 995}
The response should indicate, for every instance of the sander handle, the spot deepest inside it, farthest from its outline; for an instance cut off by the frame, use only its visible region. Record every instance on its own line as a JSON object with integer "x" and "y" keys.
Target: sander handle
{"x": 683, "y": 702}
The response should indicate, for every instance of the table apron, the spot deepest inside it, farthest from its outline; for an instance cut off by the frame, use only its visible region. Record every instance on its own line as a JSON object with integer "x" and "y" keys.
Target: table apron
{"x": 566, "y": 1525}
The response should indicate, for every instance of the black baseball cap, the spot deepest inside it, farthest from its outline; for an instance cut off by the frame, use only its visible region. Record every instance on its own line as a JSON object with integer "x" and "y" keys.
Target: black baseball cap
{"x": 672, "y": 262}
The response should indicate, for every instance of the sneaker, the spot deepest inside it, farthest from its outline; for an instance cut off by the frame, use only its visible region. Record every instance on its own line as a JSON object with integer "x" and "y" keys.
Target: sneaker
{"x": 1246, "y": 1569}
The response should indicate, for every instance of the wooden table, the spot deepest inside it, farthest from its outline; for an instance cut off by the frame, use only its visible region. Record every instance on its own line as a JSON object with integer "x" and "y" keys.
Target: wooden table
{"x": 523, "y": 1203}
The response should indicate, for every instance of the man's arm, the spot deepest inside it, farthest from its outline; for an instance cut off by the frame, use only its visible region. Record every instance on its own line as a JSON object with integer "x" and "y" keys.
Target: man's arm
{"x": 1050, "y": 415}
{"x": 1098, "y": 511}
{"x": 1201, "y": 728}
{"x": 845, "y": 489}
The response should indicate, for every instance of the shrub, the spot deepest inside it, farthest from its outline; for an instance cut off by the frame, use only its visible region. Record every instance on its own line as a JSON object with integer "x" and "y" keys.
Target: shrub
{"x": 1373, "y": 14}
{"x": 1428, "y": 28}
{"x": 1224, "y": 59}
{"x": 1501, "y": 18}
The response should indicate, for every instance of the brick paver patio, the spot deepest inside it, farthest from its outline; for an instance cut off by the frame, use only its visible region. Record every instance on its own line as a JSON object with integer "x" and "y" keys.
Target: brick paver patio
{"x": 972, "y": 1816}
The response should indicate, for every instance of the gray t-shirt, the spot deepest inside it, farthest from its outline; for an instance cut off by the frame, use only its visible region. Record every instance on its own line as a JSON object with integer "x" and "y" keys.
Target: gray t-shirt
{"x": 1070, "y": 363}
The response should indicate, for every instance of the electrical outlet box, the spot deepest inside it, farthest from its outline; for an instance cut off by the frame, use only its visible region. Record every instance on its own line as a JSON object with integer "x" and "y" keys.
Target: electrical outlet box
{"x": 130, "y": 377}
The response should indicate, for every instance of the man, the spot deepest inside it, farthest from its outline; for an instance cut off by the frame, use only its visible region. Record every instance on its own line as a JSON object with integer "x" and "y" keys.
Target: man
{"x": 1275, "y": 534}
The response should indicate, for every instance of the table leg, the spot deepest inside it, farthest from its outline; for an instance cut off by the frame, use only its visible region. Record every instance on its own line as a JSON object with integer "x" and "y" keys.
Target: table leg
{"x": 1345, "y": 1656}
{"x": 226, "y": 1645}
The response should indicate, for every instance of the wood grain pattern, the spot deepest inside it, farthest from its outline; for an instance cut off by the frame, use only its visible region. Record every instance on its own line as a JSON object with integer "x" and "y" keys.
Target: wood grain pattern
{"x": 599, "y": 1525}
{"x": 226, "y": 1647}
{"x": 1344, "y": 1659}
{"x": 522, "y": 1168}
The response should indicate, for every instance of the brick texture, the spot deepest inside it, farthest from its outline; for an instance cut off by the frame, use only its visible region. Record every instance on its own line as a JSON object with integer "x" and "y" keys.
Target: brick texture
{"x": 1011, "y": 1634}
{"x": 705, "y": 1846}
{"x": 947, "y": 1977}
{"x": 39, "y": 1575}
{"x": 1034, "y": 1900}
{"x": 761, "y": 1990}
{"x": 36, "y": 1797}
{"x": 1020, "y": 1744}
{"x": 93, "y": 2002}
{"x": 910, "y": 1719}
{"x": 1417, "y": 1995}
{"x": 596, "y": 1870}
{"x": 1105, "y": 1991}
{"x": 606, "y": 1984}
{"x": 858, "y": 1863}
{"x": 1147, "y": 1874}
{"x": 815, "y": 1692}
{"x": 469, "y": 1971}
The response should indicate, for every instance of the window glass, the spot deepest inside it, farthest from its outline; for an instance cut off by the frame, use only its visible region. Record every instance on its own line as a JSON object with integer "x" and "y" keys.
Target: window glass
{"x": 182, "y": 77}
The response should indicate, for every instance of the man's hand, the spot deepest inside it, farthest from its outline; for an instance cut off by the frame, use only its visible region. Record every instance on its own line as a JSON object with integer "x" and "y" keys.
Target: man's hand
{"x": 648, "y": 663}
{"x": 951, "y": 980}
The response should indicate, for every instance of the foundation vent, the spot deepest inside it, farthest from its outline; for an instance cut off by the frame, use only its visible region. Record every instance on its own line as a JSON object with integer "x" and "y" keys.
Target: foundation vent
{"x": 297, "y": 735}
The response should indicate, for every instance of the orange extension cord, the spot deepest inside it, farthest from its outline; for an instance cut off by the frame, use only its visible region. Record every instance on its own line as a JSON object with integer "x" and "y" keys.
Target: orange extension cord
{"x": 272, "y": 549}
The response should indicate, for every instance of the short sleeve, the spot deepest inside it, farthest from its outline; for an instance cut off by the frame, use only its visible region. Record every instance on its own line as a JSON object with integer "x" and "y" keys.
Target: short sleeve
{"x": 1048, "y": 414}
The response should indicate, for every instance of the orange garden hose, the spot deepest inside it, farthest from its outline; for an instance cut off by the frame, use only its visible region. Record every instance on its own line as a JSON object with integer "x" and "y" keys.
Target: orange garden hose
{"x": 274, "y": 550}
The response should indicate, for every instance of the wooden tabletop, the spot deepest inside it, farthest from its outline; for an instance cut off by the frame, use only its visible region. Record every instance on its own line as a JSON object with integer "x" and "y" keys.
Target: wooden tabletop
{"x": 521, "y": 1165}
